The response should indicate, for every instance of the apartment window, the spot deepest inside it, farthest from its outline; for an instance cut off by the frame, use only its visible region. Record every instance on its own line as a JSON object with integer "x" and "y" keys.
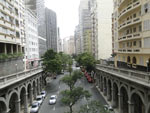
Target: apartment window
{"x": 134, "y": 43}
{"x": 147, "y": 42}
{"x": 127, "y": 44}
{"x": 140, "y": 44}
{"x": 146, "y": 8}
{"x": 17, "y": 34}
{"x": 140, "y": 28}
{"x": 128, "y": 31}
{"x": 134, "y": 29}
{"x": 134, "y": 15}
{"x": 141, "y": 60}
{"x": 146, "y": 26}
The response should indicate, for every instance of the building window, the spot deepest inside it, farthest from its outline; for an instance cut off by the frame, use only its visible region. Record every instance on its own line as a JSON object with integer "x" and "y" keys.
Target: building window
{"x": 134, "y": 60}
{"x": 146, "y": 8}
{"x": 134, "y": 29}
{"x": 140, "y": 28}
{"x": 134, "y": 43}
{"x": 134, "y": 15}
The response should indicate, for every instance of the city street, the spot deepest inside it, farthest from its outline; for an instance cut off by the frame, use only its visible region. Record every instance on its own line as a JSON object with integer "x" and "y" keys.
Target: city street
{"x": 54, "y": 87}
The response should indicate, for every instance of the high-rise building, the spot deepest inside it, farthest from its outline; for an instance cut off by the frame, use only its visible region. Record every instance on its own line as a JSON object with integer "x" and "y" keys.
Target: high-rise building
{"x": 12, "y": 36}
{"x": 132, "y": 34}
{"x": 51, "y": 29}
{"x": 85, "y": 26}
{"x": 101, "y": 17}
{"x": 38, "y": 7}
{"x": 77, "y": 40}
{"x": 32, "y": 45}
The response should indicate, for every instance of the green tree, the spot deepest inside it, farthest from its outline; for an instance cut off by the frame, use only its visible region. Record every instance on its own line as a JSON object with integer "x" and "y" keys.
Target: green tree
{"x": 72, "y": 95}
{"x": 52, "y": 63}
{"x": 70, "y": 80}
{"x": 93, "y": 107}
{"x": 86, "y": 60}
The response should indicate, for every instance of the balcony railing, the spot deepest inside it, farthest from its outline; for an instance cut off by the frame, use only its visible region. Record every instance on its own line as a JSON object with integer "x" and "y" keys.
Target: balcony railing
{"x": 129, "y": 8}
{"x": 11, "y": 79}
{"x": 130, "y": 36}
{"x": 129, "y": 22}
{"x": 129, "y": 50}
{"x": 135, "y": 76}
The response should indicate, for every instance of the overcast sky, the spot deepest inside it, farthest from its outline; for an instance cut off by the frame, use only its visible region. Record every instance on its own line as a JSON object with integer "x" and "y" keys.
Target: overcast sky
{"x": 67, "y": 15}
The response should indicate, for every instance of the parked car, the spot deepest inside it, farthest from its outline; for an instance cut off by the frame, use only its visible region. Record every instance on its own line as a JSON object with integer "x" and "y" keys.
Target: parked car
{"x": 43, "y": 93}
{"x": 109, "y": 108}
{"x": 53, "y": 99}
{"x": 39, "y": 99}
{"x": 35, "y": 107}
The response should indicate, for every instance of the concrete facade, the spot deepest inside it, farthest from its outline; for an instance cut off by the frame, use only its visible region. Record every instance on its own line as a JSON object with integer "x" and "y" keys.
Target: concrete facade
{"x": 32, "y": 44}
{"x": 127, "y": 91}
{"x": 51, "y": 29}
{"x": 132, "y": 34}
{"x": 16, "y": 98}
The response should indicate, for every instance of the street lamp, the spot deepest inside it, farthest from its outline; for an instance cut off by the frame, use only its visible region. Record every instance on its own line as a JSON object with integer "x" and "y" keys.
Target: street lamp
{"x": 147, "y": 62}
{"x": 16, "y": 67}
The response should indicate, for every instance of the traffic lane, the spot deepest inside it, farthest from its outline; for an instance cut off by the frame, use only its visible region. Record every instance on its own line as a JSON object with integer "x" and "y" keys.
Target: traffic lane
{"x": 54, "y": 88}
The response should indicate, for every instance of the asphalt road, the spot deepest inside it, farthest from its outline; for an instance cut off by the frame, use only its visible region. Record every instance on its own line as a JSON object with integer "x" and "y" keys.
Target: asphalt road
{"x": 54, "y": 88}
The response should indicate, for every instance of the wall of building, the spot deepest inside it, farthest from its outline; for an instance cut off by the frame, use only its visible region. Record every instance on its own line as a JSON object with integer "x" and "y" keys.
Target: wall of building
{"x": 11, "y": 66}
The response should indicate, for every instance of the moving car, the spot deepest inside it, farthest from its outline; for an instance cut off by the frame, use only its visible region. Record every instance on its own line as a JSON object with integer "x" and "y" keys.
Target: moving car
{"x": 35, "y": 107}
{"x": 39, "y": 99}
{"x": 109, "y": 108}
{"x": 52, "y": 99}
{"x": 43, "y": 94}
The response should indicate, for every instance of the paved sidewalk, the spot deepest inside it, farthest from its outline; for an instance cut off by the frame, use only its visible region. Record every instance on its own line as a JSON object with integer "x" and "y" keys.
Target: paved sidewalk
{"x": 109, "y": 103}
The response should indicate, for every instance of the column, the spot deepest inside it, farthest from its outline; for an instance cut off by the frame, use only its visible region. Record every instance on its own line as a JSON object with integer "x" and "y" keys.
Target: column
{"x": 130, "y": 105}
{"x": 35, "y": 92}
{"x": 31, "y": 95}
{"x": 112, "y": 100}
{"x": 17, "y": 106}
{"x": 5, "y": 48}
{"x": 16, "y": 48}
{"x": 120, "y": 103}
{"x": 26, "y": 103}
{"x": 108, "y": 93}
{"x": 12, "y": 49}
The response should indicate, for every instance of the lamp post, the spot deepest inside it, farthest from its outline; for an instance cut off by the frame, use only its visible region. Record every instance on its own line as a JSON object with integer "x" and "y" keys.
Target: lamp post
{"x": 16, "y": 67}
{"x": 147, "y": 62}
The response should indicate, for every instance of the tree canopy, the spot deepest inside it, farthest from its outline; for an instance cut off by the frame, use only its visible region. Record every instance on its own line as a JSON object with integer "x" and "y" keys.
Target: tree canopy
{"x": 86, "y": 60}
{"x": 52, "y": 62}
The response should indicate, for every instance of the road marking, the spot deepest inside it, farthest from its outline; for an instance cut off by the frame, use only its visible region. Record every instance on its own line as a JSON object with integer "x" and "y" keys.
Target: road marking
{"x": 54, "y": 108}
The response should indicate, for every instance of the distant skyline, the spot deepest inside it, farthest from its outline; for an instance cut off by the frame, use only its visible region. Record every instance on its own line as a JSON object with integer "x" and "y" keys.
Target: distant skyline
{"x": 67, "y": 15}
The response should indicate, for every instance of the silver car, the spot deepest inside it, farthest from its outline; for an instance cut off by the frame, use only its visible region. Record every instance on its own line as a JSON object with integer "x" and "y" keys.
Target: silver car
{"x": 53, "y": 99}
{"x": 35, "y": 107}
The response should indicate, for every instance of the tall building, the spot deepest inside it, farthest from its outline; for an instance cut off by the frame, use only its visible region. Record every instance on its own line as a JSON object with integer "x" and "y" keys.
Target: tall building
{"x": 32, "y": 45}
{"x": 12, "y": 36}
{"x": 101, "y": 17}
{"x": 132, "y": 32}
{"x": 38, "y": 7}
{"x": 51, "y": 29}
{"x": 85, "y": 26}
{"x": 69, "y": 45}
{"x": 77, "y": 40}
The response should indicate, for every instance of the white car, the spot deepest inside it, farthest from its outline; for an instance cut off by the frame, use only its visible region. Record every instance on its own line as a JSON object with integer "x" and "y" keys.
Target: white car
{"x": 39, "y": 99}
{"x": 35, "y": 107}
{"x": 109, "y": 108}
{"x": 53, "y": 99}
{"x": 43, "y": 93}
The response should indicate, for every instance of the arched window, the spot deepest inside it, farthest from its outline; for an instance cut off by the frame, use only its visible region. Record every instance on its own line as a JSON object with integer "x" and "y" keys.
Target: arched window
{"x": 128, "y": 59}
{"x": 134, "y": 60}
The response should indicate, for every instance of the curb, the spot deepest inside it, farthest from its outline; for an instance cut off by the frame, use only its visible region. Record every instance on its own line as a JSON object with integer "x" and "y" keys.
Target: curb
{"x": 105, "y": 99}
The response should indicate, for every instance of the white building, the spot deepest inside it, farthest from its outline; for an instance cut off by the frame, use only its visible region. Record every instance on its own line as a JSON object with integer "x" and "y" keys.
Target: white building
{"x": 102, "y": 32}
{"x": 32, "y": 46}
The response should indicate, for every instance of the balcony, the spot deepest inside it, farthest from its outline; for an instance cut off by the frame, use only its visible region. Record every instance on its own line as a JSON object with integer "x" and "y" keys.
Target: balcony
{"x": 129, "y": 8}
{"x": 129, "y": 50}
{"x": 14, "y": 78}
{"x": 133, "y": 36}
{"x": 129, "y": 23}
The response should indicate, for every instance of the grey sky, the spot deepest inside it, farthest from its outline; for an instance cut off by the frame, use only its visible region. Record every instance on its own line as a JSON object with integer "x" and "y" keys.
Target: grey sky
{"x": 67, "y": 15}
